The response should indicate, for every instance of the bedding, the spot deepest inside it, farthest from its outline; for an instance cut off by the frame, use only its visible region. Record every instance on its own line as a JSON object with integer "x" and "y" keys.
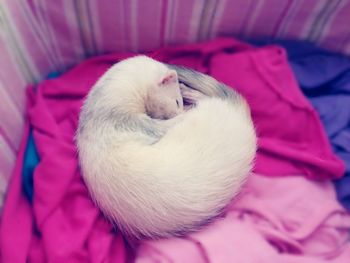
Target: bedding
{"x": 274, "y": 220}
{"x": 324, "y": 78}
{"x": 62, "y": 224}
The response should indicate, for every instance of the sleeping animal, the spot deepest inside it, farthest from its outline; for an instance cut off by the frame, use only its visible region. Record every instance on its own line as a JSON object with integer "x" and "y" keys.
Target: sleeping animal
{"x": 155, "y": 166}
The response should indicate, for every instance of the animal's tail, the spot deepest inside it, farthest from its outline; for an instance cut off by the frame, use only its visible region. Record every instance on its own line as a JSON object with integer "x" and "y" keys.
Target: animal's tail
{"x": 194, "y": 170}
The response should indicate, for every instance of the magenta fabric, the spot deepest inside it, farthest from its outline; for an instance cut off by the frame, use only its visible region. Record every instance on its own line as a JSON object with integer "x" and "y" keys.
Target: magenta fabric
{"x": 291, "y": 136}
{"x": 63, "y": 225}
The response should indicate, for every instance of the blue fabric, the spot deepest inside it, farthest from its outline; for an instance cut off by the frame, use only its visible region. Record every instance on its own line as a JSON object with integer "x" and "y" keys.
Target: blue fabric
{"x": 31, "y": 159}
{"x": 53, "y": 75}
{"x": 325, "y": 79}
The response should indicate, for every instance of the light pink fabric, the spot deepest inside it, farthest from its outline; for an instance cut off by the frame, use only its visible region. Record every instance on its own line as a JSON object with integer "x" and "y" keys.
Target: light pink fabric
{"x": 63, "y": 225}
{"x": 288, "y": 219}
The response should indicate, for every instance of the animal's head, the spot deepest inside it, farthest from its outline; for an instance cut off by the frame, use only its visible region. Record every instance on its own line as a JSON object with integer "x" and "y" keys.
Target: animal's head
{"x": 158, "y": 84}
{"x": 164, "y": 99}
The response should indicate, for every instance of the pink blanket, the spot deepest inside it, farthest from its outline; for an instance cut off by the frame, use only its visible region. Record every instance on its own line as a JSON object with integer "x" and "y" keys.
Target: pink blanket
{"x": 284, "y": 219}
{"x": 275, "y": 219}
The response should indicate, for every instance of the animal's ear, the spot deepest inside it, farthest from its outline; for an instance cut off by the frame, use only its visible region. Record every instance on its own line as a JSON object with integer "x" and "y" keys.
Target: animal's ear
{"x": 169, "y": 78}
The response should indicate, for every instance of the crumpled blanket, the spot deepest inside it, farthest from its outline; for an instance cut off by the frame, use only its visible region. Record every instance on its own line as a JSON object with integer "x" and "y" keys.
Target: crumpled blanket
{"x": 325, "y": 79}
{"x": 282, "y": 219}
{"x": 63, "y": 225}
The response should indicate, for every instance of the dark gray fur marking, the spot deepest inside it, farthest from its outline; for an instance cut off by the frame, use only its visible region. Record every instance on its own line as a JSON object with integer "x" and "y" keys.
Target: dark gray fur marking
{"x": 204, "y": 83}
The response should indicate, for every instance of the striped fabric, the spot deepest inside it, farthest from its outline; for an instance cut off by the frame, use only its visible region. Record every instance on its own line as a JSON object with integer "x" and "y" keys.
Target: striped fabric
{"x": 41, "y": 36}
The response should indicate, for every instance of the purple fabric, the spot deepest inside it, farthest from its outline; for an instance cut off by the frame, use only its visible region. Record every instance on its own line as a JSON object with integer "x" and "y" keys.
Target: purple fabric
{"x": 63, "y": 225}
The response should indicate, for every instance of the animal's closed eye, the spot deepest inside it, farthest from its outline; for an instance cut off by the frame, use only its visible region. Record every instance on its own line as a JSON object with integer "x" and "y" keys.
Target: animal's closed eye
{"x": 177, "y": 103}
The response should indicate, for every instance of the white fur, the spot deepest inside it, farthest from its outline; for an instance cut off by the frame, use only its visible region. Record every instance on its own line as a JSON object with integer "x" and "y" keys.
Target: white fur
{"x": 174, "y": 184}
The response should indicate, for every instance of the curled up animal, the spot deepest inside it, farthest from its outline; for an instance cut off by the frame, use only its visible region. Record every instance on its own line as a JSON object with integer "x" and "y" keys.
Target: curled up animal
{"x": 162, "y": 148}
